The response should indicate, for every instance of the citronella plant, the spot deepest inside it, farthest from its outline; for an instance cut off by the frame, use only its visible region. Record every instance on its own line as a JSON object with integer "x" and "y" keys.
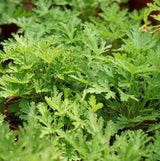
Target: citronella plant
{"x": 86, "y": 8}
{"x": 11, "y": 9}
{"x": 87, "y": 87}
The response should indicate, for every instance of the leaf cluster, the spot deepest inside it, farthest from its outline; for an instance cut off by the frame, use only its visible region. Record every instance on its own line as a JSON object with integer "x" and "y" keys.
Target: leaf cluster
{"x": 87, "y": 85}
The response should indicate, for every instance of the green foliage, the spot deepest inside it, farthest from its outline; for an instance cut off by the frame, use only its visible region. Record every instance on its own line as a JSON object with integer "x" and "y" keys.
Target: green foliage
{"x": 86, "y": 7}
{"x": 94, "y": 106}
{"x": 11, "y": 9}
{"x": 86, "y": 79}
{"x": 154, "y": 7}
{"x": 92, "y": 142}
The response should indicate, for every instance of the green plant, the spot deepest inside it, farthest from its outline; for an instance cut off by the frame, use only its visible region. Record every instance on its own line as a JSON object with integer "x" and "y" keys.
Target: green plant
{"x": 86, "y": 87}
{"x": 11, "y": 9}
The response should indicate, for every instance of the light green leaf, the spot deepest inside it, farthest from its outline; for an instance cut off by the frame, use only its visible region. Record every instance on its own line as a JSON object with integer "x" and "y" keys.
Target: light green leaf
{"x": 94, "y": 106}
{"x": 126, "y": 97}
{"x": 80, "y": 80}
{"x": 21, "y": 78}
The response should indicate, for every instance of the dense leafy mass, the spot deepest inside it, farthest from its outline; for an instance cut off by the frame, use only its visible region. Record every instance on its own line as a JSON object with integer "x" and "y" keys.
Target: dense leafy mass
{"x": 86, "y": 78}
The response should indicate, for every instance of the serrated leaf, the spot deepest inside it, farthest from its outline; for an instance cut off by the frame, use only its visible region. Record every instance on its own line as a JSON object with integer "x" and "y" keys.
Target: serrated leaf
{"x": 94, "y": 106}
{"x": 75, "y": 139}
{"x": 138, "y": 42}
{"x": 110, "y": 94}
{"x": 126, "y": 97}
{"x": 21, "y": 78}
{"x": 99, "y": 87}
{"x": 94, "y": 125}
{"x": 156, "y": 17}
